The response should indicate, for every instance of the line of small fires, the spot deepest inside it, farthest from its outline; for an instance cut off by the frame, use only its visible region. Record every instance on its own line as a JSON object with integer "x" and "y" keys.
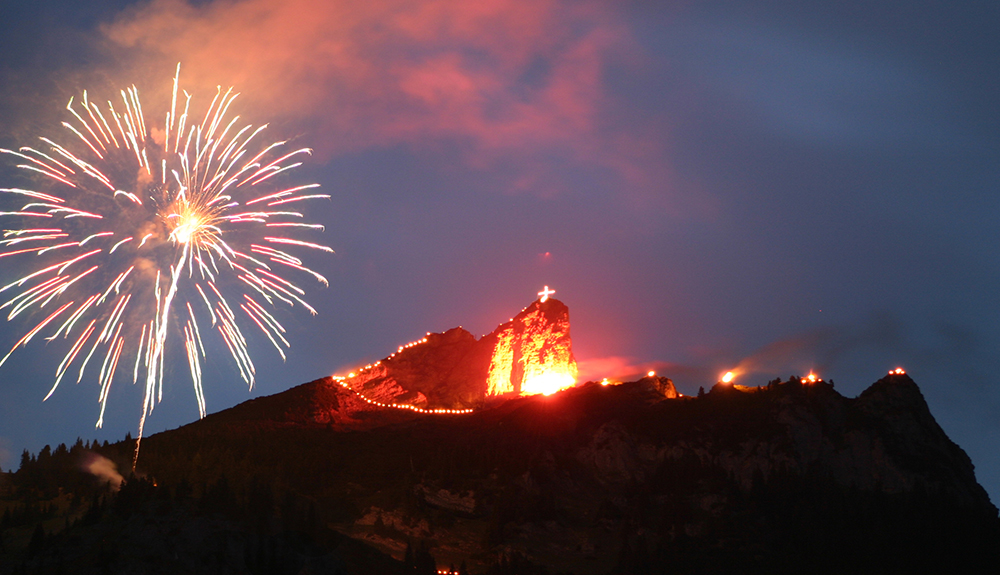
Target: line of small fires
{"x": 343, "y": 383}
{"x": 391, "y": 355}
{"x": 811, "y": 378}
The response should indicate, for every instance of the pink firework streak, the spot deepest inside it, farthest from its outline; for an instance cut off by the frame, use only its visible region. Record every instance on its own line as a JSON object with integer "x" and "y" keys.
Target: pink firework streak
{"x": 132, "y": 242}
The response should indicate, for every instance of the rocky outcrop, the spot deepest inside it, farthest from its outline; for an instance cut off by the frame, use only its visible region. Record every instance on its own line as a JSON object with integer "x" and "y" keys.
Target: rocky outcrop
{"x": 902, "y": 426}
{"x": 440, "y": 370}
{"x": 463, "y": 503}
{"x": 455, "y": 371}
{"x": 535, "y": 343}
{"x": 663, "y": 386}
{"x": 617, "y": 457}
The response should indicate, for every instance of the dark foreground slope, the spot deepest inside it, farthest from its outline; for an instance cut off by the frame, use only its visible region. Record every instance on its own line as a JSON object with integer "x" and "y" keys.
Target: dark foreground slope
{"x": 597, "y": 479}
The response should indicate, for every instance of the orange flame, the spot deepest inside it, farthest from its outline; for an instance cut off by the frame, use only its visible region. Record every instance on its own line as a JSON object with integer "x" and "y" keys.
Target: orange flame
{"x": 728, "y": 377}
{"x": 529, "y": 357}
{"x": 547, "y": 383}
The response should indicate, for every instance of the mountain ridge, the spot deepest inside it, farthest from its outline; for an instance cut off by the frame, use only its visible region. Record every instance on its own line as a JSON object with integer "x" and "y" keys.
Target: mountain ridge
{"x": 417, "y": 454}
{"x": 454, "y": 370}
{"x": 584, "y": 460}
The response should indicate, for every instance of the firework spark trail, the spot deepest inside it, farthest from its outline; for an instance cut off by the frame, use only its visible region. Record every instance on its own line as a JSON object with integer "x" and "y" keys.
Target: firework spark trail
{"x": 135, "y": 232}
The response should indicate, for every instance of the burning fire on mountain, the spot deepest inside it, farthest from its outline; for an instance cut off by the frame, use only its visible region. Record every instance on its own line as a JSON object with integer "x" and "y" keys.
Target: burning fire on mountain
{"x": 452, "y": 372}
{"x": 533, "y": 352}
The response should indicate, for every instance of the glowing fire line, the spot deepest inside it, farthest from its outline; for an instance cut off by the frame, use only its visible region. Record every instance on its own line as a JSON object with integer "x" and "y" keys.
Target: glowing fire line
{"x": 343, "y": 383}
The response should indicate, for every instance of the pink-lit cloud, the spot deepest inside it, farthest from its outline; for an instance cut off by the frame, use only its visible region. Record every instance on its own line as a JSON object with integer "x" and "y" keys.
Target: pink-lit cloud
{"x": 503, "y": 82}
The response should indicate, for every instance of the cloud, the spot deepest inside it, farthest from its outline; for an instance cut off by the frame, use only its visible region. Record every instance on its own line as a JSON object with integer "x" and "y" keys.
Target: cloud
{"x": 500, "y": 82}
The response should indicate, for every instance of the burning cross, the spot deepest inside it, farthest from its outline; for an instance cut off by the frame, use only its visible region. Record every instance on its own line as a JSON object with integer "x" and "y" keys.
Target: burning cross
{"x": 545, "y": 293}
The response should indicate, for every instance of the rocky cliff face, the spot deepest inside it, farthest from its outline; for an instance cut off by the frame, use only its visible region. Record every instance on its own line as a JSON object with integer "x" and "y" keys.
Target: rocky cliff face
{"x": 532, "y": 353}
{"x": 441, "y": 370}
{"x": 453, "y": 370}
{"x": 885, "y": 440}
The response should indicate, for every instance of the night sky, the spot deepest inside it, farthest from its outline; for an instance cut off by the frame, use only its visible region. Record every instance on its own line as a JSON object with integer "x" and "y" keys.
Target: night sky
{"x": 778, "y": 185}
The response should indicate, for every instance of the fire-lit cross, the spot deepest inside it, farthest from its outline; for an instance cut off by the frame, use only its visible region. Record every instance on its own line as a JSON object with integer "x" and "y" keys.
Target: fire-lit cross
{"x": 545, "y": 293}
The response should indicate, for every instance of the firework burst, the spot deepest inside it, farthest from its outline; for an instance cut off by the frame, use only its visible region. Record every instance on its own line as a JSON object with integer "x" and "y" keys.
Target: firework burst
{"x": 136, "y": 238}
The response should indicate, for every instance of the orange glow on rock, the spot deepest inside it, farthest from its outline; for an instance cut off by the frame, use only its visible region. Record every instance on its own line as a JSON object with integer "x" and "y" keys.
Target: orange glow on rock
{"x": 499, "y": 379}
{"x": 535, "y": 344}
{"x": 547, "y": 383}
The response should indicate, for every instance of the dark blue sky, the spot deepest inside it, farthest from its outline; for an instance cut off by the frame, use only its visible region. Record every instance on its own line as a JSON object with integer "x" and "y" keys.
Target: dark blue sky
{"x": 782, "y": 184}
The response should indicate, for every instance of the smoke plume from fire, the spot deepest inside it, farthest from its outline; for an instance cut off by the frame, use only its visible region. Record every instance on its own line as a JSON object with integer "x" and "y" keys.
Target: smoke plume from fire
{"x": 104, "y": 469}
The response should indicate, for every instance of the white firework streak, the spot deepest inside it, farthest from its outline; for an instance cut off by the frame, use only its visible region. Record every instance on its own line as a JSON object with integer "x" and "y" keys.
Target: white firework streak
{"x": 166, "y": 222}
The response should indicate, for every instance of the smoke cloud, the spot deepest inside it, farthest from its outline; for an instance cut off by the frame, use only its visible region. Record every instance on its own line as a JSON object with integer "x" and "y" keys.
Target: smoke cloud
{"x": 499, "y": 83}
{"x": 624, "y": 368}
{"x": 883, "y": 335}
{"x": 823, "y": 347}
{"x": 104, "y": 469}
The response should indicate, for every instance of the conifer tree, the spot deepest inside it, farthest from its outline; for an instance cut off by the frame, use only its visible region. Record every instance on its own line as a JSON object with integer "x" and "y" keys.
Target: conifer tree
{"x": 408, "y": 564}
{"x": 37, "y": 539}
{"x": 424, "y": 562}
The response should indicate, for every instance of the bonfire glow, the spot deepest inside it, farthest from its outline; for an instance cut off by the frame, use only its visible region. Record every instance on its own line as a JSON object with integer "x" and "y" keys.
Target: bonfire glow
{"x": 547, "y": 383}
{"x": 527, "y": 348}
{"x": 897, "y": 371}
{"x": 728, "y": 377}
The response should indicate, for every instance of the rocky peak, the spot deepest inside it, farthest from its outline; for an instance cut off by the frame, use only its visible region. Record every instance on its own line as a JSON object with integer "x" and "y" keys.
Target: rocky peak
{"x": 453, "y": 370}
{"x": 532, "y": 352}
{"x": 663, "y": 386}
{"x": 897, "y": 409}
{"x": 896, "y": 396}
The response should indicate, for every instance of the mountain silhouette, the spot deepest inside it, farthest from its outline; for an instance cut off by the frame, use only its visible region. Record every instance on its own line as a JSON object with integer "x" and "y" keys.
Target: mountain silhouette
{"x": 360, "y": 475}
